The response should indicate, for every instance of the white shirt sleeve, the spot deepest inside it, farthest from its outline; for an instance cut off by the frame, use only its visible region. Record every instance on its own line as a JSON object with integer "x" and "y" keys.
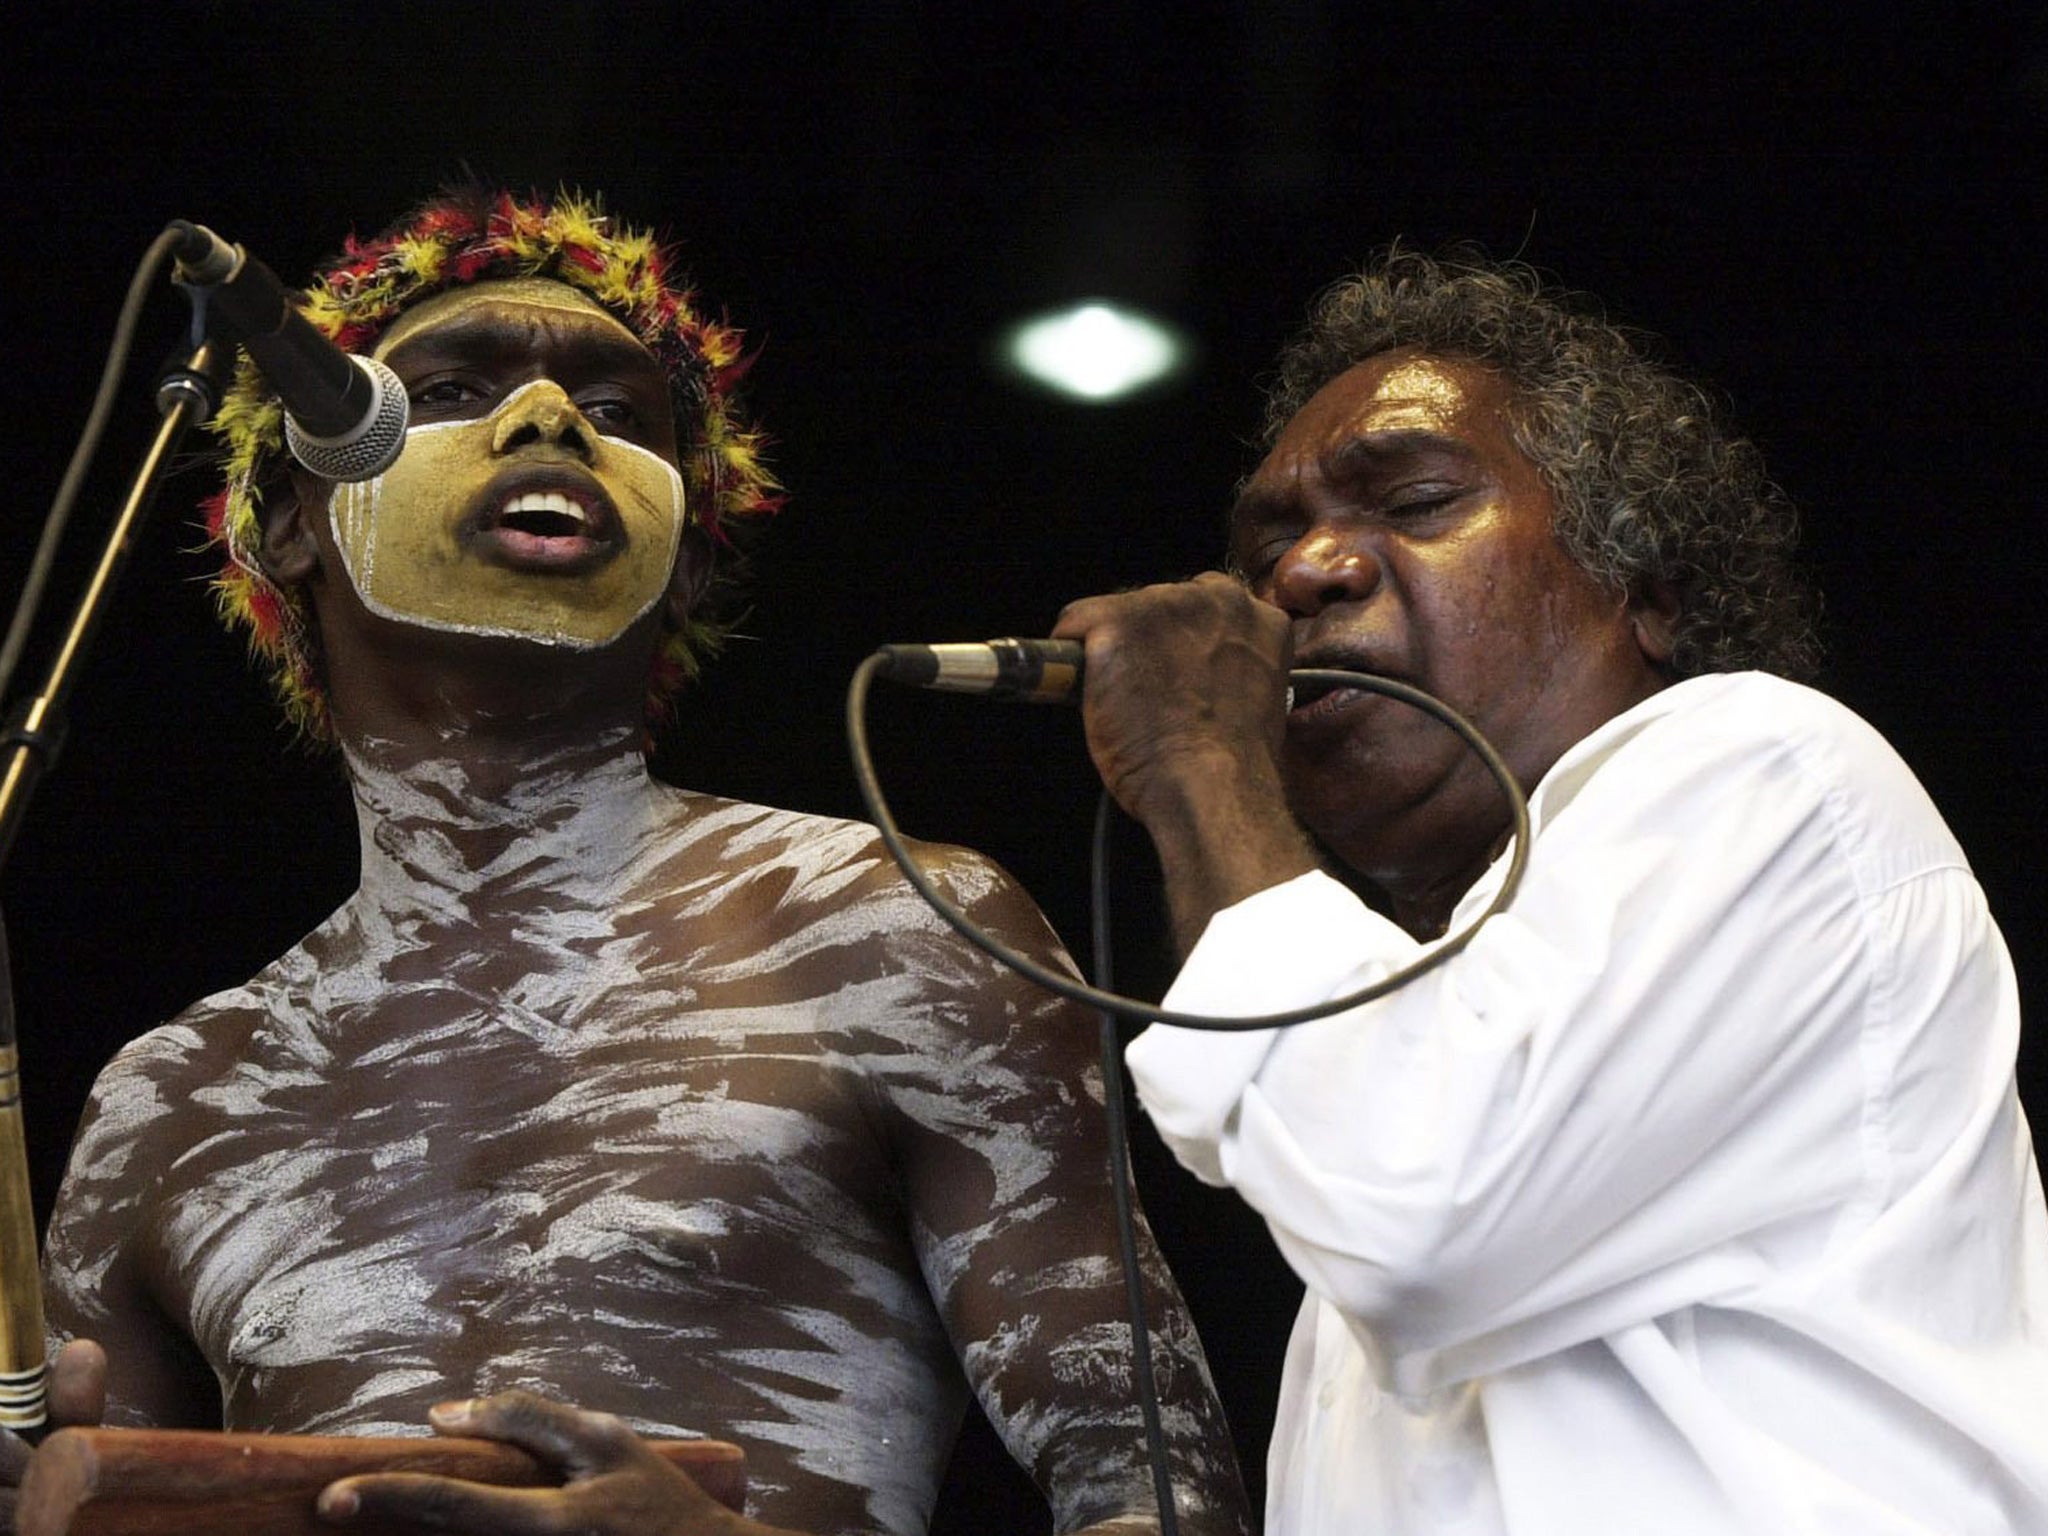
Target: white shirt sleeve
{"x": 1638, "y": 1088}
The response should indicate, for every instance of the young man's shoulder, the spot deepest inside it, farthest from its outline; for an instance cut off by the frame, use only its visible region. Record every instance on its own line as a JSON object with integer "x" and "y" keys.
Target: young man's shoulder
{"x": 823, "y": 888}
{"x": 142, "y": 1100}
{"x": 830, "y": 860}
{"x": 747, "y": 829}
{"x": 203, "y": 1040}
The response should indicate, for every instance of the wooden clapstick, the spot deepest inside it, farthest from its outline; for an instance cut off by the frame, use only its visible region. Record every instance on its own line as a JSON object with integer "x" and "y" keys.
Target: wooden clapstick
{"x": 188, "y": 1482}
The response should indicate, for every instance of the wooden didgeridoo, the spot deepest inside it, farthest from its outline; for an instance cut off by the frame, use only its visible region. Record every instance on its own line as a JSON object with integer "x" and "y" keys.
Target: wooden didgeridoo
{"x": 190, "y": 1482}
{"x": 22, "y": 1391}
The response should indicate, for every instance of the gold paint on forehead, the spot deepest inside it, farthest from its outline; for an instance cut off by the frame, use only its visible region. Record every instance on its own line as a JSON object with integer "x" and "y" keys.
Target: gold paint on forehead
{"x": 520, "y": 292}
{"x": 1419, "y": 392}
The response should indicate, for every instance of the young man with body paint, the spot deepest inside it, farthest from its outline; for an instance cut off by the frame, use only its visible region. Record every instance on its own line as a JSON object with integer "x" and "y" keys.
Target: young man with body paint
{"x": 674, "y": 1107}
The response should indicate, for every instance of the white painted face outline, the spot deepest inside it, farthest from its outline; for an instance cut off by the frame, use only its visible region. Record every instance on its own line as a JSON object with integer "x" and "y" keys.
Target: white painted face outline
{"x": 397, "y": 534}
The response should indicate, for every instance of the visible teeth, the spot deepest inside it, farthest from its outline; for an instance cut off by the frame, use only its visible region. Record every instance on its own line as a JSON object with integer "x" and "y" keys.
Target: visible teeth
{"x": 546, "y": 501}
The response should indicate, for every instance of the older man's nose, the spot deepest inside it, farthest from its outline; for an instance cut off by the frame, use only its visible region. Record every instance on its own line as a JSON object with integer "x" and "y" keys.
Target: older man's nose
{"x": 1323, "y": 567}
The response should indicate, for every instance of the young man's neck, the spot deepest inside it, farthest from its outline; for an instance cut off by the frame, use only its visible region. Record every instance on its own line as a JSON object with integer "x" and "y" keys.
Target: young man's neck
{"x": 498, "y": 756}
{"x": 554, "y": 824}
{"x": 404, "y": 693}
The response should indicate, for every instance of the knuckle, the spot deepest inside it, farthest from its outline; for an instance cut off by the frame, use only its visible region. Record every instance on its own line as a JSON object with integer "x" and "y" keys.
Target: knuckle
{"x": 428, "y": 1502}
{"x": 514, "y": 1408}
{"x": 609, "y": 1432}
{"x": 437, "y": 1505}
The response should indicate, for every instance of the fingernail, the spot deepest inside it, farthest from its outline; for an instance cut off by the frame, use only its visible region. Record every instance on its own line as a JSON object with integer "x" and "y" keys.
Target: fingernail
{"x": 338, "y": 1502}
{"x": 453, "y": 1413}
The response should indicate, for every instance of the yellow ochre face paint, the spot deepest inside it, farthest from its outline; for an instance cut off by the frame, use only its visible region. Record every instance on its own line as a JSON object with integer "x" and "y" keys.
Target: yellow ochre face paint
{"x": 495, "y": 527}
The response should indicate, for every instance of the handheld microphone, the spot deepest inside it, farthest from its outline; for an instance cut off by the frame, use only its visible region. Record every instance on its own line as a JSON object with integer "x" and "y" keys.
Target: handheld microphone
{"x": 1031, "y": 671}
{"x": 345, "y": 416}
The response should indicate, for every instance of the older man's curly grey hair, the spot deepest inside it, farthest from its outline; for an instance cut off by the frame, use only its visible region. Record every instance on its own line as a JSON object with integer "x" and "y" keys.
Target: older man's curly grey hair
{"x": 1649, "y": 486}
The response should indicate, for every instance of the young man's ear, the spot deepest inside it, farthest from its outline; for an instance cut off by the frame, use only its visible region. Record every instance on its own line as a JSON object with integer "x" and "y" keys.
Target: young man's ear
{"x": 1653, "y": 608}
{"x": 292, "y": 504}
{"x": 691, "y": 578}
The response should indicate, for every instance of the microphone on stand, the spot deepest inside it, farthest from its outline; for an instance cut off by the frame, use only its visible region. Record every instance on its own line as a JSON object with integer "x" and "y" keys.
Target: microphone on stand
{"x": 345, "y": 416}
{"x": 1029, "y": 671}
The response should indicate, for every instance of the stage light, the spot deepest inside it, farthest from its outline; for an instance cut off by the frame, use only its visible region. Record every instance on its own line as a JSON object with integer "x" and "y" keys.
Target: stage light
{"x": 1097, "y": 352}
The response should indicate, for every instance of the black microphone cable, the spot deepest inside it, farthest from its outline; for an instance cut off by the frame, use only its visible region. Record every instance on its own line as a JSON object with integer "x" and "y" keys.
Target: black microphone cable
{"x": 1121, "y": 1184}
{"x": 1109, "y": 1004}
{"x": 1135, "y": 1008}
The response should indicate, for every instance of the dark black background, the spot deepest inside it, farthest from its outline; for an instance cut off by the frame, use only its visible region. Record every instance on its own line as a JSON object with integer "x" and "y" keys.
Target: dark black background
{"x": 1836, "y": 216}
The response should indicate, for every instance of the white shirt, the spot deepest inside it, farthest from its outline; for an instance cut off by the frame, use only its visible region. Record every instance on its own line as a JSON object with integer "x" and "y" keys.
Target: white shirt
{"x": 1693, "y": 1197}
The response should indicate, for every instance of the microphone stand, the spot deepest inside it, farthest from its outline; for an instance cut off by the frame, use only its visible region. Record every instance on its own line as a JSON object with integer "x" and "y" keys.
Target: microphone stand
{"x": 34, "y": 730}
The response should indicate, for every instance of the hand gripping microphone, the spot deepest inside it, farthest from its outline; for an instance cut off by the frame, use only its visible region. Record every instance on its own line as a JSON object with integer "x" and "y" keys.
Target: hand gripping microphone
{"x": 1030, "y": 671}
{"x": 345, "y": 416}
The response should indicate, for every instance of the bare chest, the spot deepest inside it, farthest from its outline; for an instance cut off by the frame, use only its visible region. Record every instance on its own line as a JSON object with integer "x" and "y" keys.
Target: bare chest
{"x": 599, "y": 1212}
